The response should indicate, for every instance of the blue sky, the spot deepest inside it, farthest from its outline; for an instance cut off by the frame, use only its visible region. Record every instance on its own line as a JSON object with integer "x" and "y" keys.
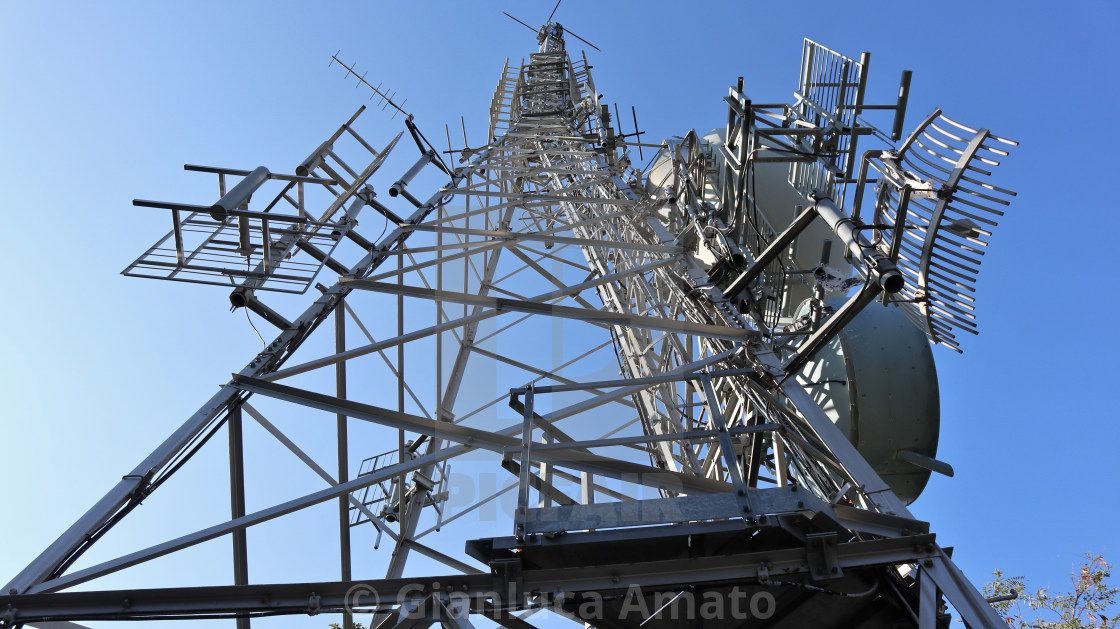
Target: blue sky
{"x": 104, "y": 103}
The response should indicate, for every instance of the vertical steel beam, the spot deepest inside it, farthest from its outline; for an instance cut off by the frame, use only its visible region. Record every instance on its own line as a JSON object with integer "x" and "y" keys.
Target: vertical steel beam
{"x": 586, "y": 488}
{"x": 544, "y": 499}
{"x": 781, "y": 461}
{"x": 927, "y": 601}
{"x": 343, "y": 459}
{"x": 526, "y": 465}
{"x": 237, "y": 501}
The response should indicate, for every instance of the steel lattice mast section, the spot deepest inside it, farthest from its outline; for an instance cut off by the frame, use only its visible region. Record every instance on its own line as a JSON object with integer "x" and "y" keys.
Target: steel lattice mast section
{"x": 760, "y": 493}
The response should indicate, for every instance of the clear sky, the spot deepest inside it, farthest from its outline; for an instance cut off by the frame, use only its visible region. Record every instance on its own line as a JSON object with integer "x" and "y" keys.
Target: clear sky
{"x": 101, "y": 103}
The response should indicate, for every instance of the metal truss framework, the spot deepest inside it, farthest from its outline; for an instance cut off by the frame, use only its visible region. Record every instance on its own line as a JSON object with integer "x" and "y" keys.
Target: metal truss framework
{"x": 705, "y": 413}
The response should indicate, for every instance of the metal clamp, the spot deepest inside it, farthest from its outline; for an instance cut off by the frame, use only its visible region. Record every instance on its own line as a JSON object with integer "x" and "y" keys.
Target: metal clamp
{"x": 820, "y": 552}
{"x": 508, "y": 583}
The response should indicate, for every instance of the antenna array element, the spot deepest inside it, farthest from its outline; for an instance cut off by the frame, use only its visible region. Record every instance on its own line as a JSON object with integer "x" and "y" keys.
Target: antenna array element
{"x": 938, "y": 210}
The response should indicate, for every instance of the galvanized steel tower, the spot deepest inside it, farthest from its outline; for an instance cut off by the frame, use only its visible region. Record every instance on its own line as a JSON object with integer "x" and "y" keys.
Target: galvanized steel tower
{"x": 715, "y": 367}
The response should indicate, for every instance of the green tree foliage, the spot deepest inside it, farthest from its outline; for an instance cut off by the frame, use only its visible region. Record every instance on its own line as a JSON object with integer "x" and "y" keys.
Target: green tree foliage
{"x": 1090, "y": 604}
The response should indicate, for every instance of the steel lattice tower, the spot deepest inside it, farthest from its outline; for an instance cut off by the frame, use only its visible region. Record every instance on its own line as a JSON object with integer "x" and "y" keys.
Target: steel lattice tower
{"x": 713, "y": 461}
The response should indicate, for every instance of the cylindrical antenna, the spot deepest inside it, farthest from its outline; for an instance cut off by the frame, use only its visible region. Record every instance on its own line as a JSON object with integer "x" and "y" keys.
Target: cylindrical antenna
{"x": 879, "y": 268}
{"x": 313, "y": 160}
{"x": 900, "y": 108}
{"x": 424, "y": 160}
{"x": 240, "y": 194}
{"x": 244, "y": 239}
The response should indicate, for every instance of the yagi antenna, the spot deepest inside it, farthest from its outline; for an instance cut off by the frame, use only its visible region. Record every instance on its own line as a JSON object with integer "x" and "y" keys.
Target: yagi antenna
{"x": 386, "y": 98}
